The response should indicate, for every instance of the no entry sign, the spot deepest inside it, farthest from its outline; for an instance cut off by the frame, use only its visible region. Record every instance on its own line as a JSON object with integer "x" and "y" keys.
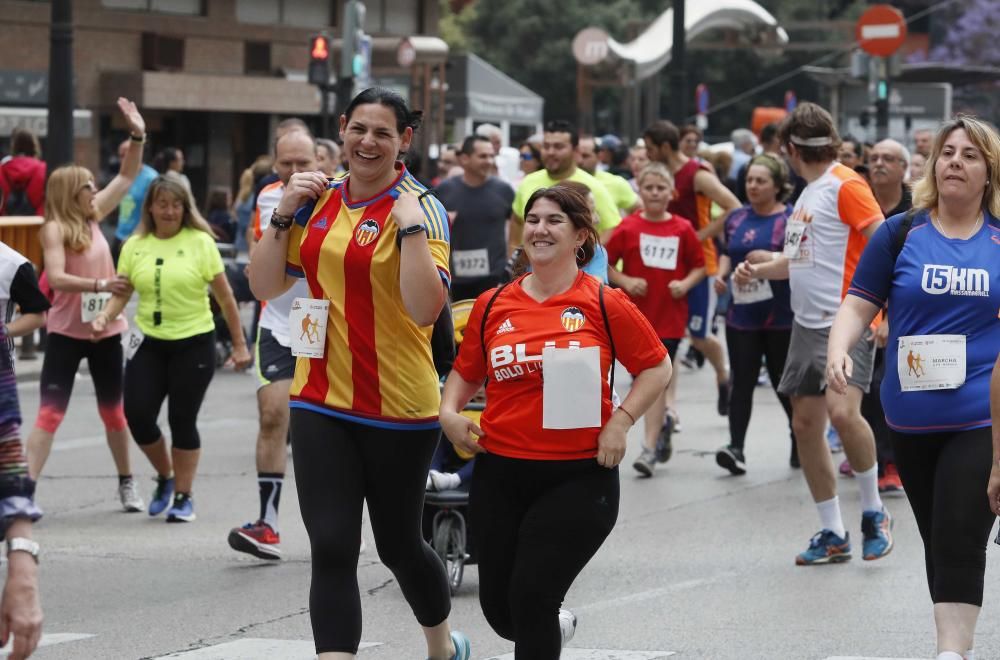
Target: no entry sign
{"x": 881, "y": 30}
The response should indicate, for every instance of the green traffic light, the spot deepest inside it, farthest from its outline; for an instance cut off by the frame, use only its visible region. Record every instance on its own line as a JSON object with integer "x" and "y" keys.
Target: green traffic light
{"x": 883, "y": 90}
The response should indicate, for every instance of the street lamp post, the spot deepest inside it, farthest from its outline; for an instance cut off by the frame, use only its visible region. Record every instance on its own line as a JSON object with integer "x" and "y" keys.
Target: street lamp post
{"x": 59, "y": 146}
{"x": 678, "y": 78}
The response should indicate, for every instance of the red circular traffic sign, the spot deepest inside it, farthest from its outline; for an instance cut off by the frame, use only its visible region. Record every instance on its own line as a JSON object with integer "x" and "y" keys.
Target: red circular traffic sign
{"x": 881, "y": 30}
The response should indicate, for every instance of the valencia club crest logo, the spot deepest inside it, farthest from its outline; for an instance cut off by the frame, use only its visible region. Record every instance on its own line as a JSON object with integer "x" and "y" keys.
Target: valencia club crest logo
{"x": 572, "y": 319}
{"x": 366, "y": 233}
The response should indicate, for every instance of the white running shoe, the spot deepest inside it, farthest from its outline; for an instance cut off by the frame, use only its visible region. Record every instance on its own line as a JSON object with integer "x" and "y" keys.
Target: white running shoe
{"x": 567, "y": 625}
{"x": 129, "y": 496}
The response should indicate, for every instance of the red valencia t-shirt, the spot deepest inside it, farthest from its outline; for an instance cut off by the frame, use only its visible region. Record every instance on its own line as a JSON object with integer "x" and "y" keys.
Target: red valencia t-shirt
{"x": 659, "y": 252}
{"x": 517, "y": 329}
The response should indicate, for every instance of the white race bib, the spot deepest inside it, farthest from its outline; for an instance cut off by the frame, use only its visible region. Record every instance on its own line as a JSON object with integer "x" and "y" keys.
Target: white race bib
{"x": 755, "y": 291}
{"x": 307, "y": 327}
{"x": 471, "y": 263}
{"x": 659, "y": 251}
{"x": 92, "y": 303}
{"x": 794, "y": 231}
{"x": 571, "y": 391}
{"x": 931, "y": 362}
{"x": 131, "y": 341}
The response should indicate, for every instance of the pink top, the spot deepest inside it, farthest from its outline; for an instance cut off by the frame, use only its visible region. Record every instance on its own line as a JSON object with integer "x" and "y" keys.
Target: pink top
{"x": 95, "y": 262}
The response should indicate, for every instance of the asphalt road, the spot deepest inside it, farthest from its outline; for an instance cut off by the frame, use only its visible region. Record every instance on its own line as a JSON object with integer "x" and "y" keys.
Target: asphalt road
{"x": 700, "y": 564}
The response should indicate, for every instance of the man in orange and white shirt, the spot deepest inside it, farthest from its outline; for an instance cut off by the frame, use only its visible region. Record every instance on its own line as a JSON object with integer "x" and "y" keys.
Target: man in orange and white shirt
{"x": 824, "y": 238}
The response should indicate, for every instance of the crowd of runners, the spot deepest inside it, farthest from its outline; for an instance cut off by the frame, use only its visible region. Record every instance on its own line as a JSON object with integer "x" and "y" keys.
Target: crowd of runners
{"x": 861, "y": 282}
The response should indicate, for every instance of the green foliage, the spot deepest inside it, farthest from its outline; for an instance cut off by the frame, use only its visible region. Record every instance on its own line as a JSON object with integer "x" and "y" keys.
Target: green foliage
{"x": 455, "y": 28}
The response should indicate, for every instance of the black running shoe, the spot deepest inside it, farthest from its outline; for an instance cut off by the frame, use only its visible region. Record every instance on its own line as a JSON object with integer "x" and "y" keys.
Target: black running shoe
{"x": 731, "y": 458}
{"x": 664, "y": 442}
{"x": 723, "y": 404}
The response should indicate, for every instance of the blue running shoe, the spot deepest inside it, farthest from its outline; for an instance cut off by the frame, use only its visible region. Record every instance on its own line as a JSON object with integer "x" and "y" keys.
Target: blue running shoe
{"x": 825, "y": 547}
{"x": 876, "y": 527}
{"x": 463, "y": 649}
{"x": 833, "y": 440}
{"x": 182, "y": 510}
{"x": 161, "y": 496}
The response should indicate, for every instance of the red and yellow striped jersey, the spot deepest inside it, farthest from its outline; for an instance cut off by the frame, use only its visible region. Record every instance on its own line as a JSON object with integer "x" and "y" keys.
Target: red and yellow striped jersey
{"x": 377, "y": 368}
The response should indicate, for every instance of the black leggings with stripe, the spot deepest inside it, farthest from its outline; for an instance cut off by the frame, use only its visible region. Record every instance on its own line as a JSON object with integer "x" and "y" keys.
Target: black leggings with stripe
{"x": 338, "y": 466}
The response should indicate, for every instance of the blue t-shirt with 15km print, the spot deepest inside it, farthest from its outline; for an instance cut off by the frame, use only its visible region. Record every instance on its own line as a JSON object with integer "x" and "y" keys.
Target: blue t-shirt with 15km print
{"x": 939, "y": 286}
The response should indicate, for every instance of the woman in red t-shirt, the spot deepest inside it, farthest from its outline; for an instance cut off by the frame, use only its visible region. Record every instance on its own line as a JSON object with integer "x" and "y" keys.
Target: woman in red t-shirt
{"x": 545, "y": 504}
{"x": 661, "y": 261}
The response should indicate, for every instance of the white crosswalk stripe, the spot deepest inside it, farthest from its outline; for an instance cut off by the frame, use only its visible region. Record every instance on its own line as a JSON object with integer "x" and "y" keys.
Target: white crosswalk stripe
{"x": 255, "y": 649}
{"x": 601, "y": 654}
{"x": 865, "y": 657}
{"x": 50, "y": 640}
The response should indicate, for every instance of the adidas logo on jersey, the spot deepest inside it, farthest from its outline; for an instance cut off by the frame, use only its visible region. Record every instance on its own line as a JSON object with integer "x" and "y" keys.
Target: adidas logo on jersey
{"x": 938, "y": 280}
{"x": 506, "y": 326}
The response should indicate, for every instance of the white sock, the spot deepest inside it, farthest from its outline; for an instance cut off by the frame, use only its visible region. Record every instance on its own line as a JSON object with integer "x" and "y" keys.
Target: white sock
{"x": 829, "y": 516}
{"x": 949, "y": 655}
{"x": 970, "y": 655}
{"x": 868, "y": 487}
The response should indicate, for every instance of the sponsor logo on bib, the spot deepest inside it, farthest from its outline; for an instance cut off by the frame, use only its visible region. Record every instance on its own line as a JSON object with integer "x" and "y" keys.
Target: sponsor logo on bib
{"x": 572, "y": 319}
{"x": 366, "y": 233}
{"x": 939, "y": 280}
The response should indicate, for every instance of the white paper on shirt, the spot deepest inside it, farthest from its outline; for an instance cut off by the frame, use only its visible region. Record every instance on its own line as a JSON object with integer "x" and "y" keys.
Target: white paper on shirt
{"x": 659, "y": 251}
{"x": 931, "y": 362}
{"x": 307, "y": 327}
{"x": 754, "y": 291}
{"x": 471, "y": 263}
{"x": 91, "y": 304}
{"x": 131, "y": 341}
{"x": 794, "y": 232}
{"x": 571, "y": 393}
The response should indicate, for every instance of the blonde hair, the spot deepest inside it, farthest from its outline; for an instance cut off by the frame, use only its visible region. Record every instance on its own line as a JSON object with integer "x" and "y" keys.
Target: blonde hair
{"x": 656, "y": 169}
{"x": 63, "y": 207}
{"x": 984, "y": 137}
{"x": 192, "y": 218}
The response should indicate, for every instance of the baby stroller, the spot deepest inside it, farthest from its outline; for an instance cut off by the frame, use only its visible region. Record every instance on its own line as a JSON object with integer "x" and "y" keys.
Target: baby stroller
{"x": 445, "y": 522}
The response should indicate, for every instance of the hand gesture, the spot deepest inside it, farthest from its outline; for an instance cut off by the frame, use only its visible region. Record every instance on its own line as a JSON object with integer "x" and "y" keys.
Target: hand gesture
{"x": 839, "y": 367}
{"x": 677, "y": 289}
{"x": 744, "y": 274}
{"x": 302, "y": 187}
{"x": 99, "y": 325}
{"x": 240, "y": 358}
{"x": 720, "y": 285}
{"x": 993, "y": 489}
{"x": 136, "y": 124}
{"x": 636, "y": 287}
{"x": 120, "y": 286}
{"x": 406, "y": 211}
{"x": 20, "y": 611}
{"x": 882, "y": 333}
{"x": 759, "y": 256}
{"x": 611, "y": 443}
{"x": 460, "y": 430}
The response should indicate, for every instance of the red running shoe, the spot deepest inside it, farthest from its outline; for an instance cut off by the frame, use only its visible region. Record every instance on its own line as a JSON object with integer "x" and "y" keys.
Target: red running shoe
{"x": 889, "y": 482}
{"x": 257, "y": 539}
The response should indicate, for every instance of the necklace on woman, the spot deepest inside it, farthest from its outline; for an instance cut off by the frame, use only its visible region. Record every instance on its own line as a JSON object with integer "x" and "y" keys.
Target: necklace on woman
{"x": 940, "y": 227}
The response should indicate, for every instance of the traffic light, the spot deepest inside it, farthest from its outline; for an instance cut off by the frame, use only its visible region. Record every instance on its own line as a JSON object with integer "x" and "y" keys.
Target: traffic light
{"x": 355, "y": 54}
{"x": 319, "y": 60}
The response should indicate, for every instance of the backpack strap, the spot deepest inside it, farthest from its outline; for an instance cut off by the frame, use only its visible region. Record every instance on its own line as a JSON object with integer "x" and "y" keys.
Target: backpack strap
{"x": 901, "y": 233}
{"x": 607, "y": 328}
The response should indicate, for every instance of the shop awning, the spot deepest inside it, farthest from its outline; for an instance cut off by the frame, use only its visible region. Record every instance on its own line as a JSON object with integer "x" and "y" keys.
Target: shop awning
{"x": 479, "y": 90}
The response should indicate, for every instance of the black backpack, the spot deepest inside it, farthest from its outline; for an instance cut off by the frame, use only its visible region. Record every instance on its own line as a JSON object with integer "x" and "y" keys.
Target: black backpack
{"x": 17, "y": 202}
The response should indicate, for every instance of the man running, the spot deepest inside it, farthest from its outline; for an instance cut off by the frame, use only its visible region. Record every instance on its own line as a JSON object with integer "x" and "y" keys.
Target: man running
{"x": 824, "y": 238}
{"x": 618, "y": 187}
{"x": 294, "y": 151}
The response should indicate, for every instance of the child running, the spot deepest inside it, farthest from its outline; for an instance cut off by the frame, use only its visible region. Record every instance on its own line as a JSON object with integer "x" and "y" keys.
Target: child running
{"x": 661, "y": 261}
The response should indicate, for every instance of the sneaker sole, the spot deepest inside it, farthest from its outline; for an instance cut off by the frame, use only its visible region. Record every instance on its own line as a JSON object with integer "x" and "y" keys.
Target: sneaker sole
{"x": 174, "y": 518}
{"x": 874, "y": 557}
{"x": 726, "y": 460}
{"x": 833, "y": 559}
{"x": 243, "y": 543}
{"x": 643, "y": 469}
{"x": 133, "y": 508}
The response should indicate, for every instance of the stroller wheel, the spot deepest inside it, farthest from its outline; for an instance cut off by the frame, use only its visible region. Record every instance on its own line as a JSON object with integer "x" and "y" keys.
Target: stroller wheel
{"x": 449, "y": 544}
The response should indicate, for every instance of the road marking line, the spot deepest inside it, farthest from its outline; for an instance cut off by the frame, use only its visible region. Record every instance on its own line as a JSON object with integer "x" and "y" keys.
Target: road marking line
{"x": 602, "y": 654}
{"x": 85, "y": 442}
{"x": 252, "y": 648}
{"x": 865, "y": 657}
{"x": 652, "y": 594}
{"x": 52, "y": 640}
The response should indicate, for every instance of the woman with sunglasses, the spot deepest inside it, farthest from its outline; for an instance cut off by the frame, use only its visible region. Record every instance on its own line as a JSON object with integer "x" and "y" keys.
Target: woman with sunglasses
{"x": 82, "y": 276}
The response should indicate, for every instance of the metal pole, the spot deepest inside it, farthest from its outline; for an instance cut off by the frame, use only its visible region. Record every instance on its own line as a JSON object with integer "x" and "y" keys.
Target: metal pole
{"x": 324, "y": 110}
{"x": 678, "y": 78}
{"x": 882, "y": 104}
{"x": 59, "y": 146}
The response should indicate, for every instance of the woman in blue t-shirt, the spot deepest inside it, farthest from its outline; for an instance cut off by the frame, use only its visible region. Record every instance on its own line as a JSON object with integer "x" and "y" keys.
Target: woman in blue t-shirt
{"x": 942, "y": 289}
{"x": 759, "y": 322}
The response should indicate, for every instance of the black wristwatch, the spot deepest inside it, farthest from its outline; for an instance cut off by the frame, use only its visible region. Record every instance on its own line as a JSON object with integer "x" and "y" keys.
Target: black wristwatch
{"x": 408, "y": 231}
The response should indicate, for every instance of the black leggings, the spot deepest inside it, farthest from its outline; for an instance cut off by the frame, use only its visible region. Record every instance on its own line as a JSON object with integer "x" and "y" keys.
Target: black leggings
{"x": 179, "y": 370}
{"x": 338, "y": 465}
{"x": 945, "y": 477}
{"x": 746, "y": 348}
{"x": 536, "y": 524}
{"x": 62, "y": 360}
